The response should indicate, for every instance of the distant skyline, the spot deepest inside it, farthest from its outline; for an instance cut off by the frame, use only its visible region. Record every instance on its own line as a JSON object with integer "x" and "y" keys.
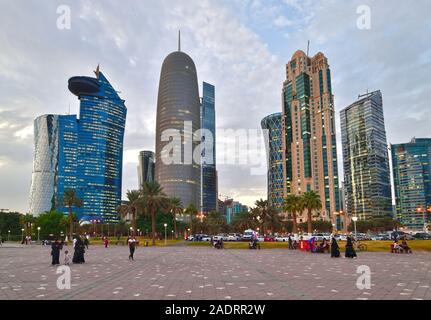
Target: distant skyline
{"x": 240, "y": 46}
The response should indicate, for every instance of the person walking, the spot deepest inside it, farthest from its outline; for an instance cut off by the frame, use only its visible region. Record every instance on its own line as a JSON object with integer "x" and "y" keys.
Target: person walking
{"x": 78, "y": 255}
{"x": 106, "y": 242}
{"x": 350, "y": 251}
{"x": 335, "y": 249}
{"x": 55, "y": 252}
{"x": 86, "y": 242}
{"x": 290, "y": 242}
{"x": 132, "y": 247}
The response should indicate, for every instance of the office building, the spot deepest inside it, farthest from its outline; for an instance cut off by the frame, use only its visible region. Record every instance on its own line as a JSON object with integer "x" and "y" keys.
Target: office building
{"x": 146, "y": 167}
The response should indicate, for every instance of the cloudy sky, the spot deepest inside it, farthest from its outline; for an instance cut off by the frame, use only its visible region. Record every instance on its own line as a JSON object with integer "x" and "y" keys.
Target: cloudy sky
{"x": 240, "y": 46}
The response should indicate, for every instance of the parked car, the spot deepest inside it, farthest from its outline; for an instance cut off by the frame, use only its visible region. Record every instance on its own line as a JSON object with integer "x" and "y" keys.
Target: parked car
{"x": 269, "y": 239}
{"x": 422, "y": 236}
{"x": 282, "y": 239}
{"x": 233, "y": 237}
{"x": 248, "y": 235}
{"x": 221, "y": 236}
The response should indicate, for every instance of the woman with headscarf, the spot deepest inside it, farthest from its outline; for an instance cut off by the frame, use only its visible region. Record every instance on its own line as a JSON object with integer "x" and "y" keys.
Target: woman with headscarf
{"x": 78, "y": 255}
{"x": 350, "y": 251}
{"x": 335, "y": 249}
{"x": 55, "y": 252}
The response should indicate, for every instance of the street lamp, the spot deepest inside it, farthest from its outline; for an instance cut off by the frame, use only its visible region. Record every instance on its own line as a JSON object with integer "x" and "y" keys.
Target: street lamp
{"x": 8, "y": 235}
{"x": 38, "y": 233}
{"x": 138, "y": 232}
{"x": 22, "y": 235}
{"x": 130, "y": 231}
{"x": 172, "y": 232}
{"x": 165, "y": 225}
{"x": 354, "y": 219}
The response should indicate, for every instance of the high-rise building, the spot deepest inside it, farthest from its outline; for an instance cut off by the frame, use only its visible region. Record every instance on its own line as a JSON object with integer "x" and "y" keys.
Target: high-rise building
{"x": 274, "y": 150}
{"x": 208, "y": 160}
{"x": 146, "y": 167}
{"x": 178, "y": 119}
{"x": 231, "y": 208}
{"x": 54, "y": 163}
{"x": 100, "y": 146}
{"x": 365, "y": 157}
{"x": 309, "y": 137}
{"x": 411, "y": 165}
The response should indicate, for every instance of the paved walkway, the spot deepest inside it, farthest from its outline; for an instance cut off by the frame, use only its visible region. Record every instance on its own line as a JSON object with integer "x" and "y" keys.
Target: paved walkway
{"x": 206, "y": 273}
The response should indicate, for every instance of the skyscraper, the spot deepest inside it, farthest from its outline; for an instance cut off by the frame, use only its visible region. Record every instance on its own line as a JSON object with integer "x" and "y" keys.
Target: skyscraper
{"x": 54, "y": 162}
{"x": 308, "y": 124}
{"x": 365, "y": 156}
{"x": 178, "y": 118}
{"x": 411, "y": 165}
{"x": 100, "y": 146}
{"x": 208, "y": 162}
{"x": 146, "y": 167}
{"x": 274, "y": 150}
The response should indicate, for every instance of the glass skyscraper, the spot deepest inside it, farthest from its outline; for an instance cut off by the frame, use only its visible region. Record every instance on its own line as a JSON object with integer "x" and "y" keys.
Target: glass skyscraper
{"x": 54, "y": 163}
{"x": 411, "y": 164}
{"x": 274, "y": 150}
{"x": 146, "y": 167}
{"x": 100, "y": 146}
{"x": 309, "y": 133}
{"x": 208, "y": 163}
{"x": 365, "y": 156}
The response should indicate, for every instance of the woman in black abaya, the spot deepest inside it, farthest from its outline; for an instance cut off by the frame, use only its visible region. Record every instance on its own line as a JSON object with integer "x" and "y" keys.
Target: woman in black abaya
{"x": 55, "y": 252}
{"x": 350, "y": 251}
{"x": 78, "y": 255}
{"x": 335, "y": 249}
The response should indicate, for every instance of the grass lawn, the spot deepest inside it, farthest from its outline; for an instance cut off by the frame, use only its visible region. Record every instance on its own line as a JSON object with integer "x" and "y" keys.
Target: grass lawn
{"x": 373, "y": 246}
{"x": 142, "y": 240}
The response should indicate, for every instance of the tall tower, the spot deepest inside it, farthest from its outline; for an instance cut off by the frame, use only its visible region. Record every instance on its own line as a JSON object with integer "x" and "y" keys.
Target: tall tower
{"x": 146, "y": 167}
{"x": 365, "y": 158}
{"x": 208, "y": 163}
{"x": 412, "y": 182}
{"x": 178, "y": 118}
{"x": 274, "y": 150}
{"x": 101, "y": 127}
{"x": 308, "y": 123}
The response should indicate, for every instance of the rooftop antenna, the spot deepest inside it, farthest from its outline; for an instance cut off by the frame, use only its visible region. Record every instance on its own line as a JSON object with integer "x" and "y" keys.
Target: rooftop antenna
{"x": 179, "y": 40}
{"x": 308, "y": 47}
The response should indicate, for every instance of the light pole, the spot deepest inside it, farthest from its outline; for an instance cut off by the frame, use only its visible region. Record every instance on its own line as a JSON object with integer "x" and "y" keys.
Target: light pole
{"x": 172, "y": 234}
{"x": 38, "y": 234}
{"x": 354, "y": 219}
{"x": 139, "y": 232}
{"x": 165, "y": 225}
{"x": 8, "y": 235}
{"x": 22, "y": 235}
{"x": 130, "y": 231}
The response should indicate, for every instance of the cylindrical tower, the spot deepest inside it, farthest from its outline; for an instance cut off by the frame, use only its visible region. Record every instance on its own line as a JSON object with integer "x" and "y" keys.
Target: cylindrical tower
{"x": 178, "y": 114}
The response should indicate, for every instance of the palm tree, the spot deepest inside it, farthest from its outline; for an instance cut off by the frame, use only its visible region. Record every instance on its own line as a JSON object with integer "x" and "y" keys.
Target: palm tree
{"x": 243, "y": 221}
{"x": 70, "y": 199}
{"x": 192, "y": 212}
{"x": 154, "y": 199}
{"x": 27, "y": 221}
{"x": 293, "y": 204}
{"x": 132, "y": 207}
{"x": 268, "y": 217}
{"x": 311, "y": 201}
{"x": 175, "y": 207}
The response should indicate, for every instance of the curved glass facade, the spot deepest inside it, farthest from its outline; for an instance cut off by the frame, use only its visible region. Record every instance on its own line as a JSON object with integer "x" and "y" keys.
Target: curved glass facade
{"x": 274, "y": 149}
{"x": 178, "y": 103}
{"x": 145, "y": 167}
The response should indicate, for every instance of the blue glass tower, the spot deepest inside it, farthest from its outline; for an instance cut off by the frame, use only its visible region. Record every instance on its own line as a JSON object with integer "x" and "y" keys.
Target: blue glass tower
{"x": 274, "y": 148}
{"x": 411, "y": 163}
{"x": 208, "y": 164}
{"x": 100, "y": 146}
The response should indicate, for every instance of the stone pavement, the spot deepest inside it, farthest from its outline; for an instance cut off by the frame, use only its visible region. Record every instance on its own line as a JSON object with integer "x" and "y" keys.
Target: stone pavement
{"x": 190, "y": 273}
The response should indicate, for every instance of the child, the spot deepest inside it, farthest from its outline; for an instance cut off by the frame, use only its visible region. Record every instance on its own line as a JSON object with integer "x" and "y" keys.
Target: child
{"x": 67, "y": 258}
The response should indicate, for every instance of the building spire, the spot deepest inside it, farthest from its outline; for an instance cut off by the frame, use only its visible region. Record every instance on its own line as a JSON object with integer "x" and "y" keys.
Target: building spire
{"x": 179, "y": 40}
{"x": 97, "y": 71}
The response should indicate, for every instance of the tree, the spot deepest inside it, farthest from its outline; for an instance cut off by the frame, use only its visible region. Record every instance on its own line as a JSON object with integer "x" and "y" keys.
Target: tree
{"x": 27, "y": 221}
{"x": 268, "y": 217}
{"x": 192, "y": 212}
{"x": 311, "y": 201}
{"x": 132, "y": 207}
{"x": 243, "y": 221}
{"x": 51, "y": 222}
{"x": 175, "y": 208}
{"x": 10, "y": 221}
{"x": 293, "y": 204}
{"x": 154, "y": 199}
{"x": 70, "y": 200}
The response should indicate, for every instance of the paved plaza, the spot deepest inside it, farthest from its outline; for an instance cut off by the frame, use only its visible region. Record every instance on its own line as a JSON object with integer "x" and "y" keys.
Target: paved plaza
{"x": 189, "y": 273}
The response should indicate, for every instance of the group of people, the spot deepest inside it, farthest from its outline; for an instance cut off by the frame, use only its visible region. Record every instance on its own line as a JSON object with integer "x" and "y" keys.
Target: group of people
{"x": 332, "y": 247}
{"x": 79, "y": 246}
{"x": 400, "y": 248}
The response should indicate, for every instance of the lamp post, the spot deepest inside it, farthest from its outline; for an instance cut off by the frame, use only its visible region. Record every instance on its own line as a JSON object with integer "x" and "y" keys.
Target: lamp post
{"x": 38, "y": 234}
{"x": 165, "y": 225}
{"x": 8, "y": 235}
{"x": 22, "y": 235}
{"x": 130, "y": 231}
{"x": 139, "y": 232}
{"x": 354, "y": 219}
{"x": 172, "y": 232}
